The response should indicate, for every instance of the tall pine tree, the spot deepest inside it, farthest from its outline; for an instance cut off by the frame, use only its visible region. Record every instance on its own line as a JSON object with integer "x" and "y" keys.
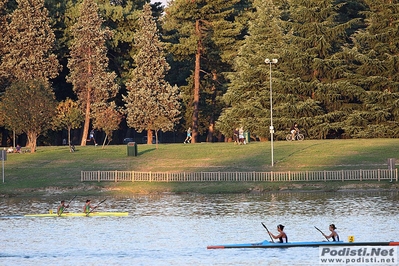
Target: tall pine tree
{"x": 93, "y": 84}
{"x": 319, "y": 96}
{"x": 151, "y": 103}
{"x": 374, "y": 70}
{"x": 3, "y": 30}
{"x": 28, "y": 44}
{"x": 198, "y": 29}
{"x": 248, "y": 95}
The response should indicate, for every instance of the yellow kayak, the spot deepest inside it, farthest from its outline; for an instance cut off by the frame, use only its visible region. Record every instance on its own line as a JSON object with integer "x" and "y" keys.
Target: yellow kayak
{"x": 78, "y": 214}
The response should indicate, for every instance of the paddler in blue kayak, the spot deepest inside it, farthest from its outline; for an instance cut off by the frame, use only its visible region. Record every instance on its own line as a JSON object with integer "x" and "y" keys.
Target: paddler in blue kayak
{"x": 62, "y": 207}
{"x": 334, "y": 235}
{"x": 87, "y": 208}
{"x": 282, "y": 236}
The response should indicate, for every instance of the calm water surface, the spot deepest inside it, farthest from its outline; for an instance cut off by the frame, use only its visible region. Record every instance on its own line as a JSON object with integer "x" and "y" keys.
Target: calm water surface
{"x": 176, "y": 229}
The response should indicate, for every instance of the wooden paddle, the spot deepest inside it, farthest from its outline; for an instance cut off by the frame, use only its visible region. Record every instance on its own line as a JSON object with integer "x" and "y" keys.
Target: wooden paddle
{"x": 67, "y": 205}
{"x": 322, "y": 233}
{"x": 95, "y": 207}
{"x": 267, "y": 231}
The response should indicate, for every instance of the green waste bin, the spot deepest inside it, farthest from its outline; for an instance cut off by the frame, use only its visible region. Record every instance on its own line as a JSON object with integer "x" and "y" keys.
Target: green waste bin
{"x": 247, "y": 137}
{"x": 131, "y": 149}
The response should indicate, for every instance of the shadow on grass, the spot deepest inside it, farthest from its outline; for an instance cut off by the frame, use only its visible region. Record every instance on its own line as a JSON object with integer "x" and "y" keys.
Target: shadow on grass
{"x": 146, "y": 151}
{"x": 298, "y": 151}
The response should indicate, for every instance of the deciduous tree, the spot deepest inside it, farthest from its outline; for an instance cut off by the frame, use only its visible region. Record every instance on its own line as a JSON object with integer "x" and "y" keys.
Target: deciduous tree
{"x": 68, "y": 116}
{"x": 107, "y": 119}
{"x": 29, "y": 107}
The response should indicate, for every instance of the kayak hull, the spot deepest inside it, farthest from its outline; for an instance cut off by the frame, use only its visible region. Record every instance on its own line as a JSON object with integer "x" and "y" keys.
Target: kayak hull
{"x": 267, "y": 244}
{"x": 78, "y": 214}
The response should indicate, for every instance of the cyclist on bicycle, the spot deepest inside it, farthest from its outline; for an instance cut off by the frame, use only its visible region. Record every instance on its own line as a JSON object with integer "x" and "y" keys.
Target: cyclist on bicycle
{"x": 294, "y": 130}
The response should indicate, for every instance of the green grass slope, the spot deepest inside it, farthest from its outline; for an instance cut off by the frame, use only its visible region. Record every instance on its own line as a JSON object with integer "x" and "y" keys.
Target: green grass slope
{"x": 56, "y": 170}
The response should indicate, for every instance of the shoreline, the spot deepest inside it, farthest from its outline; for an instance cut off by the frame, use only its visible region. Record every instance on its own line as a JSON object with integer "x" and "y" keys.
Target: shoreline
{"x": 145, "y": 188}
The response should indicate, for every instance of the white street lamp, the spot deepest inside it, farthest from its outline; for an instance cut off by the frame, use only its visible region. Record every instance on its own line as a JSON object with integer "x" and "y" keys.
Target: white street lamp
{"x": 270, "y": 62}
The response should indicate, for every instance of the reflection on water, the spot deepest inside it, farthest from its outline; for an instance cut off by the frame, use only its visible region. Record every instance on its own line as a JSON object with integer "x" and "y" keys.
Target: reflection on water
{"x": 175, "y": 229}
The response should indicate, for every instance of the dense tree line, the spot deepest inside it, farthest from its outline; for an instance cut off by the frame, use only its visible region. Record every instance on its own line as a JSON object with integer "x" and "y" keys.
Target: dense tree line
{"x": 336, "y": 76}
{"x": 337, "y": 70}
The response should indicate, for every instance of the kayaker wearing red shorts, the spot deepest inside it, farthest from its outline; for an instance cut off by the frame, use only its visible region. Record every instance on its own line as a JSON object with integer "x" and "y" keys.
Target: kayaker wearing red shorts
{"x": 282, "y": 236}
{"x": 334, "y": 234}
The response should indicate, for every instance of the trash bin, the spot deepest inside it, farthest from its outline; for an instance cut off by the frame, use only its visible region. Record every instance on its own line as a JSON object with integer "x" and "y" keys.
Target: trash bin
{"x": 247, "y": 137}
{"x": 131, "y": 149}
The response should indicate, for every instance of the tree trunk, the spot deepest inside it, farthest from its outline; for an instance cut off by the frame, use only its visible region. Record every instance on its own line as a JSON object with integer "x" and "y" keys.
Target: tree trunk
{"x": 156, "y": 138}
{"x": 196, "y": 83}
{"x": 87, "y": 119}
{"x": 32, "y": 138}
{"x": 211, "y": 128}
{"x": 69, "y": 139}
{"x": 88, "y": 104}
{"x": 149, "y": 137}
{"x": 105, "y": 139}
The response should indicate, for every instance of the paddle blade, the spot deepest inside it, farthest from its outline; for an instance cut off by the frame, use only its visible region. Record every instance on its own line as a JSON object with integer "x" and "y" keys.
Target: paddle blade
{"x": 321, "y": 233}
{"x": 267, "y": 231}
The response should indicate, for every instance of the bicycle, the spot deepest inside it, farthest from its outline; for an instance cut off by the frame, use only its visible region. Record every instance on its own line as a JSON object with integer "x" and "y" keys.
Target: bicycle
{"x": 298, "y": 136}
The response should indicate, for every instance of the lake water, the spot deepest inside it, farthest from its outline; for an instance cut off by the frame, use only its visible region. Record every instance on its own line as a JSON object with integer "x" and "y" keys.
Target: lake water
{"x": 176, "y": 229}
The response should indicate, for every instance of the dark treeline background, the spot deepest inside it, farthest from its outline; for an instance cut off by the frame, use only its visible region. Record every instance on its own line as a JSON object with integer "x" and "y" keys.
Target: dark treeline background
{"x": 336, "y": 75}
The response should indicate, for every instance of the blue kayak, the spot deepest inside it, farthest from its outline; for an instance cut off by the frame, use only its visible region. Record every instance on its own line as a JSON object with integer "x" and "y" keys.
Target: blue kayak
{"x": 267, "y": 244}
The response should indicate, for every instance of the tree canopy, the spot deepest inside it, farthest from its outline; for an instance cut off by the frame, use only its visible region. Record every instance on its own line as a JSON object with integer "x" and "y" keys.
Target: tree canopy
{"x": 28, "y": 43}
{"x": 28, "y": 107}
{"x": 68, "y": 116}
{"x": 336, "y": 76}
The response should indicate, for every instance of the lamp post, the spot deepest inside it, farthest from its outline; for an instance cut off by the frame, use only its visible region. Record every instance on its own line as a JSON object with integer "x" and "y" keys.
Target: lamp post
{"x": 270, "y": 62}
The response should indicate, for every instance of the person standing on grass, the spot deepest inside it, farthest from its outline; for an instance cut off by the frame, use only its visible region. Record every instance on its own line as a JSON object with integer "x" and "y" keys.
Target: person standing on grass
{"x": 241, "y": 135}
{"x": 235, "y": 135}
{"x": 91, "y": 137}
{"x": 188, "y": 138}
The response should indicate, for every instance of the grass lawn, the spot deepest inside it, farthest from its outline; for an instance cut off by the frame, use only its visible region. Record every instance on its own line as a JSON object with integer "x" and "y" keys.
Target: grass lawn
{"x": 56, "y": 170}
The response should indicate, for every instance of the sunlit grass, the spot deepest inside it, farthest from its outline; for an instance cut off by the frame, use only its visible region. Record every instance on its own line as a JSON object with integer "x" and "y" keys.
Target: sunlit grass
{"x": 57, "y": 167}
